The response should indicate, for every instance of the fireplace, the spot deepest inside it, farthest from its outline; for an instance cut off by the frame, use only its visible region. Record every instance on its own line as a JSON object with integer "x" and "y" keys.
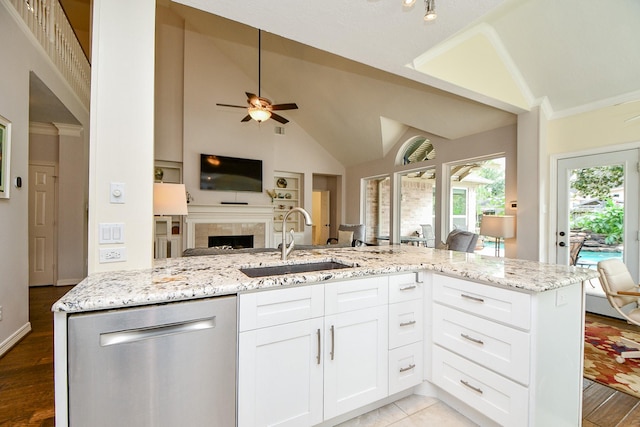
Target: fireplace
{"x": 229, "y": 220}
{"x": 236, "y": 241}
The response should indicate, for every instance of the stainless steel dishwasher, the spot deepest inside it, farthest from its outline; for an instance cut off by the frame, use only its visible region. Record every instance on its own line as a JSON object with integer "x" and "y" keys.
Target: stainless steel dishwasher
{"x": 163, "y": 365}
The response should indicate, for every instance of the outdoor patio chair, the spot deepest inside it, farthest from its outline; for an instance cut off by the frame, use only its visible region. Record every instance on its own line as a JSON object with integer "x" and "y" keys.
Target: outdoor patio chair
{"x": 349, "y": 234}
{"x": 621, "y": 291}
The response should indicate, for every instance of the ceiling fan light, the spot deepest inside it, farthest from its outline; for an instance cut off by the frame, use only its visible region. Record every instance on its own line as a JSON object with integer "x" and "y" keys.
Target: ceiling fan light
{"x": 259, "y": 114}
{"x": 430, "y": 10}
{"x": 408, "y": 3}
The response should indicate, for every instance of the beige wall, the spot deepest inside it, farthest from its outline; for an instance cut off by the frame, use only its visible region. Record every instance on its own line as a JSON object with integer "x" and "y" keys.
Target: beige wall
{"x": 498, "y": 142}
{"x": 25, "y": 57}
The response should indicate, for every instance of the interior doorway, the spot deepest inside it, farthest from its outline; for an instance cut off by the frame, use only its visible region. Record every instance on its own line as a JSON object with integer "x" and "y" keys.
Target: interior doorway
{"x": 321, "y": 216}
{"x": 42, "y": 225}
{"x": 326, "y": 205}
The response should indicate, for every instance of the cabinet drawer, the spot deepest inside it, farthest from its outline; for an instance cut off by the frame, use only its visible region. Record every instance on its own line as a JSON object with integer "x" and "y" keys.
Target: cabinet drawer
{"x": 275, "y": 307}
{"x": 498, "y": 398}
{"x": 405, "y": 367}
{"x": 500, "y": 348}
{"x": 356, "y": 294}
{"x": 502, "y": 305}
{"x": 406, "y": 323}
{"x": 405, "y": 287}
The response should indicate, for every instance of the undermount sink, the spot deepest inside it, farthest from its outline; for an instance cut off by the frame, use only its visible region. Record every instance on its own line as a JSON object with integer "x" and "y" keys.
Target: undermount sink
{"x": 277, "y": 270}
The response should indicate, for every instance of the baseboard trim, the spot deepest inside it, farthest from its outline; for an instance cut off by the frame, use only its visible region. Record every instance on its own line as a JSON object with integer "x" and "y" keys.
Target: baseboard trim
{"x": 14, "y": 338}
{"x": 68, "y": 282}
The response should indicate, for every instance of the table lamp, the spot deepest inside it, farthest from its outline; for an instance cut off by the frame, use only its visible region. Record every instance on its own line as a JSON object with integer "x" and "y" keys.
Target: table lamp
{"x": 168, "y": 199}
{"x": 498, "y": 226}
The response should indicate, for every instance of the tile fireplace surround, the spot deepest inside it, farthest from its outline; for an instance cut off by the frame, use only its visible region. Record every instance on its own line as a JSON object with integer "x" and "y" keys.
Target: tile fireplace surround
{"x": 229, "y": 220}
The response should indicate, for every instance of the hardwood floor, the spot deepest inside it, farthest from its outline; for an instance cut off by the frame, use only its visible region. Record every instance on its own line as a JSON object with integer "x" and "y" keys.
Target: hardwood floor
{"x": 26, "y": 371}
{"x": 26, "y": 376}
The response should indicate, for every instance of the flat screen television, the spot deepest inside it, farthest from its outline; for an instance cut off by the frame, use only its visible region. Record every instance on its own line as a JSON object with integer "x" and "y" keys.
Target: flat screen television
{"x": 221, "y": 173}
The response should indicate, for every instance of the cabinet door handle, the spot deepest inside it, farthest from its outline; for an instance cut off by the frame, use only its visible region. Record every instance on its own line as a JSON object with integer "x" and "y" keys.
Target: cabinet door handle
{"x": 410, "y": 322}
{"x": 466, "y": 384}
{"x": 408, "y": 288}
{"x": 408, "y": 368}
{"x": 475, "y": 340}
{"x": 471, "y": 297}
{"x": 332, "y": 352}
{"x": 318, "y": 356}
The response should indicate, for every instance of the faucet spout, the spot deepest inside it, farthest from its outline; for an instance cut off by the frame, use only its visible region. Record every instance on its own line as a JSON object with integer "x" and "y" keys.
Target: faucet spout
{"x": 286, "y": 249}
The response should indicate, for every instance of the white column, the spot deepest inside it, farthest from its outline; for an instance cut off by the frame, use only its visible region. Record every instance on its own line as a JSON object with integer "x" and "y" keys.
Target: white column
{"x": 121, "y": 148}
{"x": 72, "y": 190}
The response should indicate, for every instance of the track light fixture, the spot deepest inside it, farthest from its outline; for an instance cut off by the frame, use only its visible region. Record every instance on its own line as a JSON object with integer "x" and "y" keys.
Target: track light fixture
{"x": 430, "y": 10}
{"x": 408, "y": 3}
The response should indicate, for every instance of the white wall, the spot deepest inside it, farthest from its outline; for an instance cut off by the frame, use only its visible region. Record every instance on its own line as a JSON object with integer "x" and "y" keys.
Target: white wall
{"x": 210, "y": 78}
{"x": 122, "y": 117}
{"x": 25, "y": 56}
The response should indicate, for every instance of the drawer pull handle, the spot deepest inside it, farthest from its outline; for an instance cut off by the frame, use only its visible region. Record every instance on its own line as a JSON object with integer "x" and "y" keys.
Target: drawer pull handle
{"x": 475, "y": 340}
{"x": 408, "y": 288}
{"x": 318, "y": 355}
{"x": 410, "y": 322}
{"x": 476, "y": 389}
{"x": 471, "y": 297}
{"x": 408, "y": 368}
{"x": 332, "y": 352}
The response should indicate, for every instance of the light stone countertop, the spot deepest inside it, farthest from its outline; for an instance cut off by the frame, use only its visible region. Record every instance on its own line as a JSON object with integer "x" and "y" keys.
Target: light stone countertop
{"x": 179, "y": 279}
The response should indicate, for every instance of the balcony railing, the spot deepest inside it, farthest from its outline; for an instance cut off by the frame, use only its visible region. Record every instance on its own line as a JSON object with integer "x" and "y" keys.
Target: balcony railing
{"x": 50, "y": 26}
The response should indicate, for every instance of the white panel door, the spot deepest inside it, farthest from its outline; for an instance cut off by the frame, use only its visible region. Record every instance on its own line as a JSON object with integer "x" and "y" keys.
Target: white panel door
{"x": 280, "y": 375}
{"x": 41, "y": 225}
{"x": 356, "y": 359}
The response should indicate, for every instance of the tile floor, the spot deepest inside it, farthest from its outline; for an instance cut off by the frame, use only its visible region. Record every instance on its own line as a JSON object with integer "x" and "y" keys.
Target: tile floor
{"x": 411, "y": 411}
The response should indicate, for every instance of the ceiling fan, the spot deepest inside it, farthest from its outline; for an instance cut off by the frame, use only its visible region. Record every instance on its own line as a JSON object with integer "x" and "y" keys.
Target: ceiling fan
{"x": 261, "y": 109}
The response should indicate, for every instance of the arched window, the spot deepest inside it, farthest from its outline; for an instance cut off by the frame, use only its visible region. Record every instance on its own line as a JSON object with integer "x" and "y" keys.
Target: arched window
{"x": 416, "y": 150}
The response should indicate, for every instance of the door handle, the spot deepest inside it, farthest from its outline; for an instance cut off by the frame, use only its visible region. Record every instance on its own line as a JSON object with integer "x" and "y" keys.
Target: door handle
{"x": 562, "y": 244}
{"x": 133, "y": 335}
{"x": 332, "y": 342}
{"x": 318, "y": 355}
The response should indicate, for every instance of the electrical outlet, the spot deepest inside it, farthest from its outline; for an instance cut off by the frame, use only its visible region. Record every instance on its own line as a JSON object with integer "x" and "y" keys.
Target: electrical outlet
{"x": 561, "y": 298}
{"x": 113, "y": 255}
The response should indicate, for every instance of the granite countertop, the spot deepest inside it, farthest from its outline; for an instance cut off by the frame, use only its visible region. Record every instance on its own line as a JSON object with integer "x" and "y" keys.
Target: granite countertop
{"x": 177, "y": 279}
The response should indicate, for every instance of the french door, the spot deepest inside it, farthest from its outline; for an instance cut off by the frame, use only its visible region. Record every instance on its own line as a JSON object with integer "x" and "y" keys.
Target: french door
{"x": 622, "y": 194}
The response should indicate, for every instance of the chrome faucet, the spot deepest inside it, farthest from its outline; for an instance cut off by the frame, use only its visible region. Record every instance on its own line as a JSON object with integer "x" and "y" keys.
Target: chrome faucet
{"x": 286, "y": 249}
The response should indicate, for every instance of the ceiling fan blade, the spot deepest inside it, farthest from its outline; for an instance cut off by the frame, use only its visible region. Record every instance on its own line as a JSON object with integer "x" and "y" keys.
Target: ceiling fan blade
{"x": 278, "y": 118}
{"x": 251, "y": 97}
{"x": 229, "y": 105}
{"x": 290, "y": 106}
{"x": 246, "y": 118}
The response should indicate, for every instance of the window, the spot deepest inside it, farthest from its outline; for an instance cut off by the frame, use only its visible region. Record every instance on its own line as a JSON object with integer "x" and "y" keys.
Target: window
{"x": 377, "y": 209}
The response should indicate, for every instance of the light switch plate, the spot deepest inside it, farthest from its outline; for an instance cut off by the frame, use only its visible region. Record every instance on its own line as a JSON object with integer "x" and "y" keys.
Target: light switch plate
{"x": 116, "y": 194}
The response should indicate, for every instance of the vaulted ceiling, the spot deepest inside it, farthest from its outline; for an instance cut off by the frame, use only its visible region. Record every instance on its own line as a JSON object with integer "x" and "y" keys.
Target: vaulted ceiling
{"x": 365, "y": 71}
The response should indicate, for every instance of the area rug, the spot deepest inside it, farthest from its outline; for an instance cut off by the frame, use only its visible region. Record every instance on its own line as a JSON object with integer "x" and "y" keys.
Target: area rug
{"x": 600, "y": 350}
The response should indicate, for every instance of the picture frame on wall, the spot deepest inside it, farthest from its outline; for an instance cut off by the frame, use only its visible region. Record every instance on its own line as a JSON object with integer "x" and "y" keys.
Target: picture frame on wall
{"x": 5, "y": 157}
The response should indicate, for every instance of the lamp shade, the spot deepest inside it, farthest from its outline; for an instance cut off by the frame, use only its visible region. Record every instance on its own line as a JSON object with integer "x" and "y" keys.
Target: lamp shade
{"x": 498, "y": 226}
{"x": 169, "y": 199}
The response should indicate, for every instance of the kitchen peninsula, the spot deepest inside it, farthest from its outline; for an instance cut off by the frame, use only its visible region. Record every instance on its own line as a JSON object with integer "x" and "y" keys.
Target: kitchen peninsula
{"x": 498, "y": 339}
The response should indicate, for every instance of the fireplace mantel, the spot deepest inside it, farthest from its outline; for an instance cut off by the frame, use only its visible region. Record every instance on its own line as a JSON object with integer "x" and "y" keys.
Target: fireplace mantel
{"x": 229, "y": 214}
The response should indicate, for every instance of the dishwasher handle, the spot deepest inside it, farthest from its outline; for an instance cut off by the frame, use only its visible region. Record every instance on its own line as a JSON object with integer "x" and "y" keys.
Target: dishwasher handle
{"x": 140, "y": 334}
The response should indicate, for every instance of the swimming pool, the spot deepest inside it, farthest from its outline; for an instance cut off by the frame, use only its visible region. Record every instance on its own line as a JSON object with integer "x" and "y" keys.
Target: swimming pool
{"x": 594, "y": 257}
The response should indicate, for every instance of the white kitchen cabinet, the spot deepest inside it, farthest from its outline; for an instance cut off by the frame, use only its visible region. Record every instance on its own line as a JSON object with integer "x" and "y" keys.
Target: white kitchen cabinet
{"x": 514, "y": 356}
{"x": 280, "y": 375}
{"x": 311, "y": 353}
{"x": 356, "y": 359}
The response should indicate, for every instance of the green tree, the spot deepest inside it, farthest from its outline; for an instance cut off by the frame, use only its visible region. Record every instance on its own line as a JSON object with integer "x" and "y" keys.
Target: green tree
{"x": 597, "y": 182}
{"x": 491, "y": 195}
{"x": 608, "y": 222}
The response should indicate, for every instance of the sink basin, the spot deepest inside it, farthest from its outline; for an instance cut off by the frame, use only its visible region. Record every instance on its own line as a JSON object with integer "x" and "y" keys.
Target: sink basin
{"x": 277, "y": 270}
